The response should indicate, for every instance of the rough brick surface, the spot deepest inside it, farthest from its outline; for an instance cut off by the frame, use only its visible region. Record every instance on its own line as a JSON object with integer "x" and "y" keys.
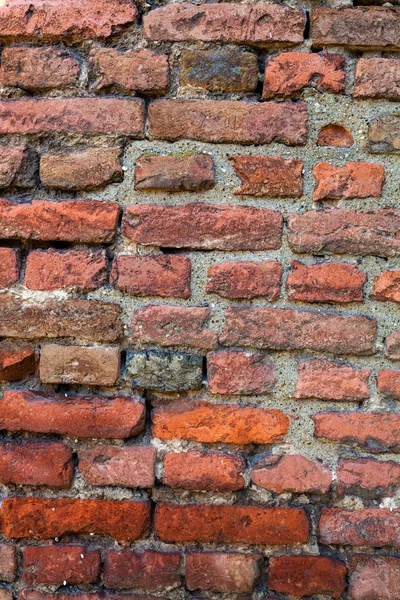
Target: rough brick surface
{"x": 16, "y": 362}
{"x": 307, "y": 575}
{"x": 228, "y": 70}
{"x": 291, "y": 473}
{"x": 384, "y": 134}
{"x": 335, "y": 135}
{"x": 132, "y": 466}
{"x": 377, "y": 78}
{"x": 269, "y": 176}
{"x": 203, "y": 471}
{"x": 165, "y": 371}
{"x": 245, "y": 279}
{"x": 8, "y": 562}
{"x": 354, "y": 180}
{"x": 36, "y": 463}
{"x": 148, "y": 570}
{"x": 240, "y": 373}
{"x": 379, "y": 477}
{"x": 58, "y": 564}
{"x": 387, "y": 286}
{"x": 222, "y": 572}
{"x": 328, "y": 380}
{"x": 374, "y": 576}
{"x": 377, "y": 527}
{"x": 17, "y": 166}
{"x": 174, "y": 173}
{"x": 392, "y": 349}
{"x": 9, "y": 273}
{"x": 389, "y": 383}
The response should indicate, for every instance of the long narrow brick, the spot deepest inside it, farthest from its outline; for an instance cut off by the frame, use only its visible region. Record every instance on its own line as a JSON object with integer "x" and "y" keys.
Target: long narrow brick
{"x": 328, "y": 380}
{"x": 377, "y": 527}
{"x": 302, "y": 576}
{"x": 57, "y": 565}
{"x": 130, "y": 466}
{"x": 269, "y": 176}
{"x": 374, "y": 577}
{"x": 377, "y": 477}
{"x": 36, "y": 463}
{"x": 149, "y": 570}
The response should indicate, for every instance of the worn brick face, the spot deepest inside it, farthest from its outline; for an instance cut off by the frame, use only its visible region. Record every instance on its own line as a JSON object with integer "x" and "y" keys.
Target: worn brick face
{"x": 374, "y": 576}
{"x": 17, "y": 166}
{"x": 58, "y": 564}
{"x": 228, "y": 70}
{"x": 240, "y": 373}
{"x": 292, "y": 473}
{"x": 377, "y": 527}
{"x": 269, "y": 176}
{"x": 8, "y": 562}
{"x": 16, "y": 362}
{"x": 174, "y": 173}
{"x": 222, "y": 572}
{"x": 245, "y": 279}
{"x": 377, "y": 78}
{"x": 307, "y": 575}
{"x": 132, "y": 466}
{"x": 335, "y": 135}
{"x": 327, "y": 380}
{"x": 380, "y": 478}
{"x": 354, "y": 180}
{"x": 384, "y": 134}
{"x": 147, "y": 570}
{"x": 9, "y": 273}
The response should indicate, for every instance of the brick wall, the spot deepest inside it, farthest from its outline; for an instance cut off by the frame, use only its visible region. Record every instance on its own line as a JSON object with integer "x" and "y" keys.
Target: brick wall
{"x": 199, "y": 272}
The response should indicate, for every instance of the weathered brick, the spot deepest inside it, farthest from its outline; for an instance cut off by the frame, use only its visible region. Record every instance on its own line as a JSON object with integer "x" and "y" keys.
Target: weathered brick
{"x": 86, "y": 221}
{"x": 41, "y": 595}
{"x": 17, "y": 166}
{"x": 291, "y": 72}
{"x": 124, "y": 116}
{"x": 292, "y": 473}
{"x": 77, "y": 416}
{"x": 83, "y": 365}
{"x": 8, "y": 563}
{"x": 389, "y": 383}
{"x": 325, "y": 282}
{"x": 211, "y": 423}
{"x": 81, "y": 319}
{"x": 335, "y": 135}
{"x": 326, "y": 380}
{"x": 132, "y": 466}
{"x": 6, "y": 594}
{"x": 382, "y": 478}
{"x": 82, "y": 169}
{"x": 36, "y": 463}
{"x": 377, "y": 78}
{"x": 138, "y": 70}
{"x": 377, "y": 432}
{"x": 38, "y": 68}
{"x": 165, "y": 371}
{"x": 261, "y": 24}
{"x": 228, "y": 121}
{"x": 245, "y": 279}
{"x": 343, "y": 231}
{"x": 225, "y": 69}
{"x": 9, "y": 272}
{"x": 173, "y": 326}
{"x": 188, "y": 173}
{"x": 46, "y": 518}
{"x": 81, "y": 270}
{"x": 358, "y": 27}
{"x": 269, "y": 176}
{"x": 243, "y": 373}
{"x": 211, "y": 471}
{"x": 16, "y": 362}
{"x": 376, "y": 527}
{"x": 53, "y": 19}
{"x": 285, "y": 329}
{"x": 384, "y": 134}
{"x": 161, "y": 275}
{"x": 222, "y": 572}
{"x": 57, "y": 565}
{"x": 230, "y": 524}
{"x": 302, "y": 576}
{"x": 392, "y": 346}
{"x": 387, "y": 286}
{"x": 353, "y": 180}
{"x": 148, "y": 570}
{"x": 203, "y": 226}
{"x": 374, "y": 577}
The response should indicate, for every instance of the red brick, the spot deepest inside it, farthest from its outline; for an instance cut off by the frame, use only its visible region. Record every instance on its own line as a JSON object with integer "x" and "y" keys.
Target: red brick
{"x": 269, "y": 176}
{"x": 377, "y": 432}
{"x": 81, "y": 169}
{"x": 173, "y": 326}
{"x": 343, "y": 231}
{"x": 384, "y": 134}
{"x": 148, "y": 570}
{"x": 292, "y": 473}
{"x": 285, "y": 329}
{"x": 326, "y": 380}
{"x": 353, "y": 180}
{"x": 389, "y": 383}
{"x": 211, "y": 423}
{"x": 335, "y": 135}
{"x": 83, "y": 365}
{"x": 131, "y": 466}
{"x": 374, "y": 577}
{"x": 387, "y": 286}
{"x": 44, "y": 68}
{"x": 230, "y": 524}
{"x": 291, "y": 72}
{"x": 41, "y": 595}
{"x": 358, "y": 27}
{"x": 124, "y": 116}
{"x": 302, "y": 576}
{"x": 203, "y": 226}
{"x": 81, "y": 270}
{"x": 102, "y": 417}
{"x": 211, "y": 471}
{"x": 36, "y": 463}
{"x": 9, "y": 261}
{"x": 45, "y": 518}
{"x": 160, "y": 275}
{"x": 376, "y": 527}
{"x": 57, "y": 565}
{"x": 377, "y": 78}
{"x": 240, "y": 373}
{"x": 139, "y": 70}
{"x": 52, "y": 19}
{"x": 382, "y": 478}
{"x": 16, "y": 362}
{"x": 174, "y": 173}
{"x": 325, "y": 282}
{"x": 245, "y": 279}
{"x": 392, "y": 346}
{"x": 8, "y": 562}
{"x": 261, "y": 24}
{"x": 80, "y": 319}
{"x": 222, "y": 572}
{"x": 224, "y": 69}
{"x": 228, "y": 121}
{"x": 17, "y": 166}
{"x": 85, "y": 221}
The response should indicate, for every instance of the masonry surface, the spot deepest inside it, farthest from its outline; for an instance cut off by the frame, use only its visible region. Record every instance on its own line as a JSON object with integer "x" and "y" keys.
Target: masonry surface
{"x": 199, "y": 292}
